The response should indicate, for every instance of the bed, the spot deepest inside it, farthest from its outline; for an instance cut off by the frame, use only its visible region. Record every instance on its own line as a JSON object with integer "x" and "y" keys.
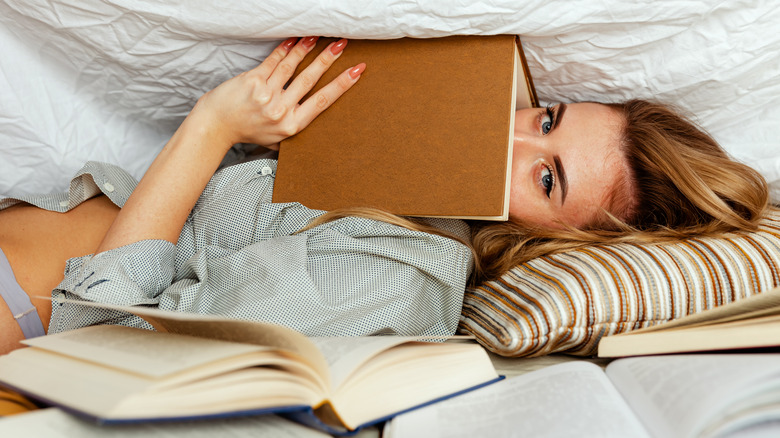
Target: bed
{"x": 110, "y": 80}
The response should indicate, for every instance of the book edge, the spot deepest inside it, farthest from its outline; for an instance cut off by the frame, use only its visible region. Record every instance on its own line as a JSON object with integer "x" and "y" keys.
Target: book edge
{"x": 301, "y": 414}
{"x": 691, "y": 339}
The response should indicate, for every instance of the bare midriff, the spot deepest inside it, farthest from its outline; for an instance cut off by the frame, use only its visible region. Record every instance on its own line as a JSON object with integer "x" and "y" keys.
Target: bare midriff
{"x": 37, "y": 244}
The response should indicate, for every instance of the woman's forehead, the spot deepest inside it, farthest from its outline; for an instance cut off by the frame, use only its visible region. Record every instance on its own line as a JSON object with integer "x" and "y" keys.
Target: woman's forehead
{"x": 593, "y": 160}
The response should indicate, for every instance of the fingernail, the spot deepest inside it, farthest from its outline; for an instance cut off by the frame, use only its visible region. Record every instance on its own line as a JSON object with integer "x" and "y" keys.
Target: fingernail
{"x": 357, "y": 70}
{"x": 288, "y": 43}
{"x": 309, "y": 42}
{"x": 338, "y": 46}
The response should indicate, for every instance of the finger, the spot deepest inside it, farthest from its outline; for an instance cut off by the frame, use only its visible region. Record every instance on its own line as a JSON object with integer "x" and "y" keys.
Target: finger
{"x": 325, "y": 96}
{"x": 270, "y": 63}
{"x": 284, "y": 71}
{"x": 305, "y": 81}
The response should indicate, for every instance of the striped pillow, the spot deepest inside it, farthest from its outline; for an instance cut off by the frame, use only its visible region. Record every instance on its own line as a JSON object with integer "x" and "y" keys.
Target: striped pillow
{"x": 568, "y": 301}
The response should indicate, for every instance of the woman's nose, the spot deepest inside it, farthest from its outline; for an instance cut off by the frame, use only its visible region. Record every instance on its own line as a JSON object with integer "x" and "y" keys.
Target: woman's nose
{"x": 525, "y": 139}
{"x": 524, "y": 130}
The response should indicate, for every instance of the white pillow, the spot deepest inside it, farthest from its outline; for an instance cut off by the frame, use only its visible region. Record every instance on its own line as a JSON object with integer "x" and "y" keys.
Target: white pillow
{"x": 111, "y": 79}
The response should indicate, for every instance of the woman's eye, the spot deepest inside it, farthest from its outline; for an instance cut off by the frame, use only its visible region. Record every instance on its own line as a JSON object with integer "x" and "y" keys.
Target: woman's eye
{"x": 548, "y": 120}
{"x": 548, "y": 180}
{"x": 546, "y": 123}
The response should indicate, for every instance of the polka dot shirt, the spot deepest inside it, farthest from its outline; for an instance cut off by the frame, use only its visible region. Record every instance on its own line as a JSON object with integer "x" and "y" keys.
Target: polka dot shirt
{"x": 240, "y": 255}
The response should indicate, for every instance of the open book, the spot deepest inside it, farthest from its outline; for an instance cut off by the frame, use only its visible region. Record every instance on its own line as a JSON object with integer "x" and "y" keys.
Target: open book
{"x": 675, "y": 396}
{"x": 201, "y": 366}
{"x": 749, "y": 323}
{"x": 427, "y": 131}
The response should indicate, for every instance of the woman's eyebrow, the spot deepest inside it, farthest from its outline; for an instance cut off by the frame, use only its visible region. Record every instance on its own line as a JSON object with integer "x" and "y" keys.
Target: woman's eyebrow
{"x": 561, "y": 172}
{"x": 558, "y": 115}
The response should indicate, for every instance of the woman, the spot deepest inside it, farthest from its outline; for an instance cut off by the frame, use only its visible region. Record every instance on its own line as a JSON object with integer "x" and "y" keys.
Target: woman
{"x": 675, "y": 182}
{"x": 187, "y": 239}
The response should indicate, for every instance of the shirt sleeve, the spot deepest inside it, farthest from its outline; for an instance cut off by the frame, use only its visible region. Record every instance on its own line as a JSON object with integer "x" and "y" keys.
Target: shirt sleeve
{"x": 135, "y": 274}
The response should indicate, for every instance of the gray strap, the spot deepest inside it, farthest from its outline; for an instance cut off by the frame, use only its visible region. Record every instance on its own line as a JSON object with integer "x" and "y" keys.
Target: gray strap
{"x": 17, "y": 300}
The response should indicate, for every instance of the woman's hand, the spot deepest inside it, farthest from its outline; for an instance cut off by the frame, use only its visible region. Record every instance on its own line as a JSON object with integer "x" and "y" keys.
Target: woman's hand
{"x": 255, "y": 107}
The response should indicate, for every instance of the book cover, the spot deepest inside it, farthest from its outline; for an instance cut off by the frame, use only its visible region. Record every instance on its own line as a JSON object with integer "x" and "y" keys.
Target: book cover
{"x": 426, "y": 131}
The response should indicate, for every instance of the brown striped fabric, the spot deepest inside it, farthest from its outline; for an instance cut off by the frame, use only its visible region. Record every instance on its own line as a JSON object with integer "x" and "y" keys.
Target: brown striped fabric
{"x": 568, "y": 301}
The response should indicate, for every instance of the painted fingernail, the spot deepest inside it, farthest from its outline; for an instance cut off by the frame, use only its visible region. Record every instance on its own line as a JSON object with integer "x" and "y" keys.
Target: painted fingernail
{"x": 338, "y": 46}
{"x": 309, "y": 42}
{"x": 357, "y": 70}
{"x": 288, "y": 43}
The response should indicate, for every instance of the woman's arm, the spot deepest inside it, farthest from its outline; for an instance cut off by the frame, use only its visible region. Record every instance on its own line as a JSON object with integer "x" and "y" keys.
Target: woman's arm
{"x": 253, "y": 107}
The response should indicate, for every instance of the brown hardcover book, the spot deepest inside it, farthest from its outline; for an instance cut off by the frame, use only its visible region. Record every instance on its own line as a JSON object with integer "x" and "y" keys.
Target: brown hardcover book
{"x": 427, "y": 131}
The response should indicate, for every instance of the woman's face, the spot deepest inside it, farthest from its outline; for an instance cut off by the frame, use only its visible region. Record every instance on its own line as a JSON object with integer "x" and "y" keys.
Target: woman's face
{"x": 566, "y": 163}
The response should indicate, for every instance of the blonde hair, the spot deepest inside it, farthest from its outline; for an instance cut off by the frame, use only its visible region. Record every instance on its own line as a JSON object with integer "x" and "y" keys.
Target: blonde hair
{"x": 410, "y": 223}
{"x": 369, "y": 213}
{"x": 684, "y": 184}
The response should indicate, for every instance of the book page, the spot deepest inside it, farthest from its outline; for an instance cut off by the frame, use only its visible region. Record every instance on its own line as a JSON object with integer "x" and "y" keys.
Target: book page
{"x": 60, "y": 380}
{"x": 114, "y": 372}
{"x": 139, "y": 351}
{"x": 681, "y": 395}
{"x": 570, "y": 399}
{"x": 760, "y": 332}
{"x": 345, "y": 354}
{"x": 54, "y": 423}
{"x": 763, "y": 429}
{"x": 214, "y": 327}
{"x": 763, "y": 304}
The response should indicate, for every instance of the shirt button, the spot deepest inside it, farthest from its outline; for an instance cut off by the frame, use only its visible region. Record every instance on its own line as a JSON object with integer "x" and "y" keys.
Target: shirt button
{"x": 60, "y": 296}
{"x": 64, "y": 203}
{"x": 109, "y": 187}
{"x": 266, "y": 170}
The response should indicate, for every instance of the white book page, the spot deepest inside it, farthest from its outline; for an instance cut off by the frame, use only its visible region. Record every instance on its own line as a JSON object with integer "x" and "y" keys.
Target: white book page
{"x": 763, "y": 304}
{"x": 570, "y": 399}
{"x": 54, "y": 423}
{"x": 139, "y": 351}
{"x": 215, "y": 327}
{"x": 766, "y": 429}
{"x": 679, "y": 395}
{"x": 345, "y": 354}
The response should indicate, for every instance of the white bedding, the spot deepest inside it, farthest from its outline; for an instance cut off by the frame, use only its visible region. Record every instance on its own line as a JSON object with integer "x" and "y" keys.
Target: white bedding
{"x": 111, "y": 79}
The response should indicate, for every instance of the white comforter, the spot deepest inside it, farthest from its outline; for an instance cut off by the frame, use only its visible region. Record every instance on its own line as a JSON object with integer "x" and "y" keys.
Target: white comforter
{"x": 111, "y": 79}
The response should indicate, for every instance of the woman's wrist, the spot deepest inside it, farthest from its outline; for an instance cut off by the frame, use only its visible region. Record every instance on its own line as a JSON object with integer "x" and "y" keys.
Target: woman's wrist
{"x": 206, "y": 125}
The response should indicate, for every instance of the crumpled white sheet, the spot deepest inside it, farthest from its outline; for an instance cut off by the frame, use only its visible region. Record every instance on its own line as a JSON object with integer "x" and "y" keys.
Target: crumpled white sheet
{"x": 111, "y": 79}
